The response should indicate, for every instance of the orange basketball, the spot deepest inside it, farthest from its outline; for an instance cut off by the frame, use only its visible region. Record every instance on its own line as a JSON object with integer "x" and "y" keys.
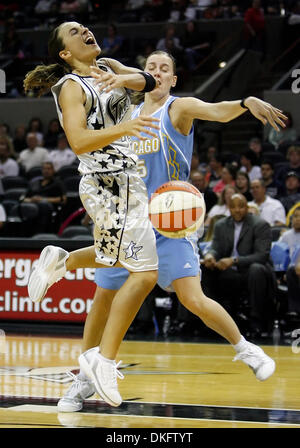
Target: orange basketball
{"x": 177, "y": 209}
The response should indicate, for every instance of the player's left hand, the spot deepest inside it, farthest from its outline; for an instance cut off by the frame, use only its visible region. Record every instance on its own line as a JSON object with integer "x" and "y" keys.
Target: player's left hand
{"x": 107, "y": 81}
{"x": 265, "y": 112}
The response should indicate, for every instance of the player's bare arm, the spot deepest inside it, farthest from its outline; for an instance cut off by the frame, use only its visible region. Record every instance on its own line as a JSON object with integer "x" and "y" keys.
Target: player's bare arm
{"x": 185, "y": 110}
{"x": 82, "y": 139}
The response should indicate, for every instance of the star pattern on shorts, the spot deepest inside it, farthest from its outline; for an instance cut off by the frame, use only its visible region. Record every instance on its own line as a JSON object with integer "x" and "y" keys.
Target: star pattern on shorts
{"x": 132, "y": 250}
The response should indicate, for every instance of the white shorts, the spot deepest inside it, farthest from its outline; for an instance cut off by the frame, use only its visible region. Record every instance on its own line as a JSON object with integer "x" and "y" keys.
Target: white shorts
{"x": 118, "y": 206}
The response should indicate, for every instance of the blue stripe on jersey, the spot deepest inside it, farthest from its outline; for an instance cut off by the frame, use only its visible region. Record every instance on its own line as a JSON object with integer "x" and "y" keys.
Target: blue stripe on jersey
{"x": 165, "y": 157}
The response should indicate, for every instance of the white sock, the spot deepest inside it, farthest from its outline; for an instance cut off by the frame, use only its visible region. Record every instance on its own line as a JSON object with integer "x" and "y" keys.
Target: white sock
{"x": 112, "y": 361}
{"x": 241, "y": 345}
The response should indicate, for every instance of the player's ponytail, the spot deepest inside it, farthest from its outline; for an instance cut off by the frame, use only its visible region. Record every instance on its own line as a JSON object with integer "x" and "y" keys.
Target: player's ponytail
{"x": 43, "y": 77}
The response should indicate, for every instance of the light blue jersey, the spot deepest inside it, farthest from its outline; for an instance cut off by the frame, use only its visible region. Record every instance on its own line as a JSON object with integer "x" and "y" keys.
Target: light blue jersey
{"x": 165, "y": 157}
{"x": 162, "y": 159}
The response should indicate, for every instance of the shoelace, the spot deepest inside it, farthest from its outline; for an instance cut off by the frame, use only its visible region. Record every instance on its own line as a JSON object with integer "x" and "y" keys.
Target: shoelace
{"x": 113, "y": 373}
{"x": 76, "y": 386}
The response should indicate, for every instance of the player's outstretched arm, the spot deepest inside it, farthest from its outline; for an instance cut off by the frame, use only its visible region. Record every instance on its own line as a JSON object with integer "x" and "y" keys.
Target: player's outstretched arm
{"x": 225, "y": 111}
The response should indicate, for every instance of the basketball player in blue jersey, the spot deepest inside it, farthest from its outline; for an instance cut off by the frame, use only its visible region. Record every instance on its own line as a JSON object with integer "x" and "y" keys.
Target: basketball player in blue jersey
{"x": 165, "y": 157}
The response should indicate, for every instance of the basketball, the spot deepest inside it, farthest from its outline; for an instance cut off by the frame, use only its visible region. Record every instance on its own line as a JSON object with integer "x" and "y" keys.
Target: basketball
{"x": 176, "y": 209}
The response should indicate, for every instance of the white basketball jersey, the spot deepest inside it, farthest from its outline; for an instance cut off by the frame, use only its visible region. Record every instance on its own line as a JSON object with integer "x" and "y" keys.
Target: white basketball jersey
{"x": 102, "y": 111}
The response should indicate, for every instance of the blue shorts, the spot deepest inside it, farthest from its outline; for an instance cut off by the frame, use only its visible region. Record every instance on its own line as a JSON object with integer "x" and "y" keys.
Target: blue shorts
{"x": 177, "y": 258}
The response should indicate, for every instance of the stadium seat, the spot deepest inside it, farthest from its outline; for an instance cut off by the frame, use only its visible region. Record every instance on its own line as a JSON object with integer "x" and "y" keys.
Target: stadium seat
{"x": 14, "y": 193}
{"x": 35, "y": 171}
{"x": 67, "y": 171}
{"x": 45, "y": 236}
{"x": 9, "y": 182}
{"x": 72, "y": 183}
{"x": 276, "y": 232}
{"x": 25, "y": 211}
{"x": 8, "y": 204}
{"x": 72, "y": 231}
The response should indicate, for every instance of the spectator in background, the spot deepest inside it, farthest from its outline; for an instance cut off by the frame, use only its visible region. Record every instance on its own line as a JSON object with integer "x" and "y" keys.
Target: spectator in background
{"x": 112, "y": 43}
{"x": 255, "y": 144}
{"x": 51, "y": 137}
{"x": 215, "y": 167}
{"x": 35, "y": 125}
{"x": 171, "y": 43}
{"x": 45, "y": 8}
{"x": 292, "y": 239}
{"x": 63, "y": 155}
{"x": 2, "y": 218}
{"x": 267, "y": 175}
{"x": 292, "y": 191}
{"x": 293, "y": 157}
{"x": 238, "y": 260}
{"x": 8, "y": 166}
{"x": 49, "y": 194}
{"x": 33, "y": 155}
{"x": 284, "y": 135}
{"x": 19, "y": 140}
{"x": 198, "y": 180}
{"x": 5, "y": 132}
{"x": 194, "y": 49}
{"x": 254, "y": 29}
{"x": 11, "y": 44}
{"x": 228, "y": 177}
{"x": 242, "y": 183}
{"x": 248, "y": 161}
{"x": 222, "y": 207}
{"x": 270, "y": 209}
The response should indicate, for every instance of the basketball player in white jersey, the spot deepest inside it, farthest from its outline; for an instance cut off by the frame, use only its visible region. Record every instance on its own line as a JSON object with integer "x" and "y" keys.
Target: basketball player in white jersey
{"x": 111, "y": 190}
{"x": 162, "y": 158}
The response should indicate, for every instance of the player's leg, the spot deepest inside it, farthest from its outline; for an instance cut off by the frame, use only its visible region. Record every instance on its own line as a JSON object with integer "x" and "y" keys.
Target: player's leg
{"x": 190, "y": 294}
{"x": 100, "y": 365}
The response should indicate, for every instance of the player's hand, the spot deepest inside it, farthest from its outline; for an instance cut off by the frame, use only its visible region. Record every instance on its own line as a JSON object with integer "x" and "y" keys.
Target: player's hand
{"x": 140, "y": 125}
{"x": 265, "y": 112}
{"x": 106, "y": 81}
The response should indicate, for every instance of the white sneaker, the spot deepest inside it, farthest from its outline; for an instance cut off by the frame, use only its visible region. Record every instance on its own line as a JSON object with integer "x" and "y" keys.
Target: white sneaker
{"x": 262, "y": 365}
{"x": 50, "y": 268}
{"x": 80, "y": 390}
{"x": 104, "y": 375}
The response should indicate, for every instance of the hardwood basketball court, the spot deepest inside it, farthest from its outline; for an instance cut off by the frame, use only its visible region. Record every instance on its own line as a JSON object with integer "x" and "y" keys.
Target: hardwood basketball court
{"x": 166, "y": 385}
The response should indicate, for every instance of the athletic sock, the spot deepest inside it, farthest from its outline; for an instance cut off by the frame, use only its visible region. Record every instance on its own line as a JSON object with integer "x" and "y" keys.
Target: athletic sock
{"x": 241, "y": 345}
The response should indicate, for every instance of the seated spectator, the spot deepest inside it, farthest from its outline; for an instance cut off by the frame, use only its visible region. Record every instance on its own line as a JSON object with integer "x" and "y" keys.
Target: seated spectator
{"x": 248, "y": 160}
{"x": 194, "y": 49}
{"x": 112, "y": 43}
{"x": 11, "y": 44}
{"x": 292, "y": 191}
{"x": 171, "y": 43}
{"x": 238, "y": 262}
{"x": 292, "y": 239}
{"x": 5, "y": 132}
{"x": 256, "y": 146}
{"x": 270, "y": 209}
{"x": 293, "y": 157}
{"x": 254, "y": 29}
{"x": 33, "y": 155}
{"x": 49, "y": 194}
{"x": 267, "y": 175}
{"x": 45, "y": 8}
{"x": 198, "y": 180}
{"x": 63, "y": 155}
{"x": 54, "y": 129}
{"x": 19, "y": 140}
{"x": 222, "y": 208}
{"x": 284, "y": 135}
{"x": 71, "y": 7}
{"x": 227, "y": 178}
{"x": 242, "y": 183}
{"x": 215, "y": 167}
{"x": 36, "y": 126}
{"x": 253, "y": 209}
{"x": 8, "y": 166}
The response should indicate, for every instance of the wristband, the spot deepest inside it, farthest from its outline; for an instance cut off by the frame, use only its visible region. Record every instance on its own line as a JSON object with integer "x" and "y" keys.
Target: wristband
{"x": 150, "y": 82}
{"x": 242, "y": 103}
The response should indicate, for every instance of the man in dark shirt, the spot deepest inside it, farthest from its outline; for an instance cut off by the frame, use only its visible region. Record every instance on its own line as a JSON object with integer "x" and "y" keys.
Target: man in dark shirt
{"x": 49, "y": 194}
{"x": 210, "y": 197}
